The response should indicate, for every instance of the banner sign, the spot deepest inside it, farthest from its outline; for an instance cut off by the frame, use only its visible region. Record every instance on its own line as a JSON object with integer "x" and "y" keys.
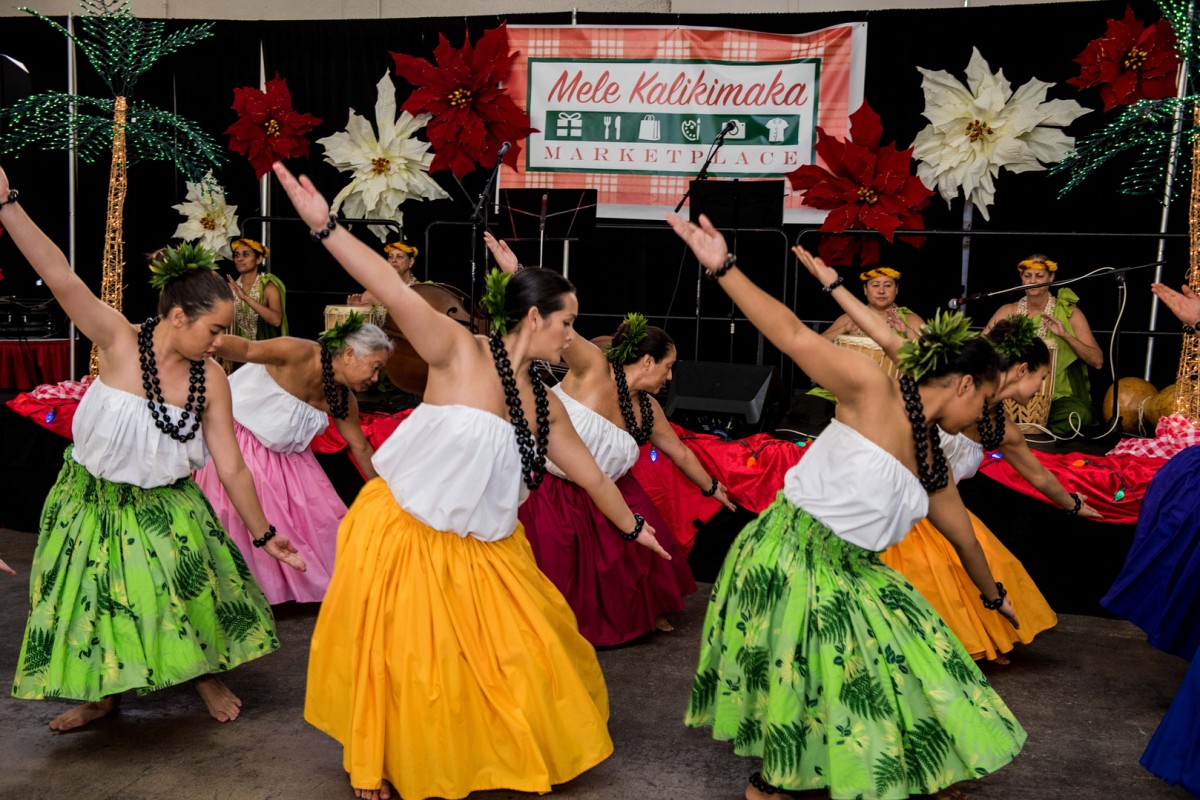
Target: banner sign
{"x": 634, "y": 111}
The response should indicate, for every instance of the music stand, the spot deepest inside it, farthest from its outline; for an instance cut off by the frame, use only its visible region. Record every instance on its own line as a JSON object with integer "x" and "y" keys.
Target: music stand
{"x": 737, "y": 204}
{"x": 557, "y": 215}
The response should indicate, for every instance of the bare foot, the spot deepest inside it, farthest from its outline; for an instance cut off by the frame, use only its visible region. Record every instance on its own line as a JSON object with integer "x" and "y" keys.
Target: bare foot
{"x": 84, "y": 713}
{"x": 662, "y": 624}
{"x": 384, "y": 792}
{"x": 223, "y": 705}
{"x": 949, "y": 793}
{"x": 1001, "y": 659}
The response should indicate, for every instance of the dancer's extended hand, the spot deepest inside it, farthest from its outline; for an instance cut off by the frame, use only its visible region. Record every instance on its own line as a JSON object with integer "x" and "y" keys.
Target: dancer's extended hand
{"x": 721, "y": 495}
{"x": 816, "y": 266}
{"x": 1087, "y": 511}
{"x": 706, "y": 242}
{"x": 506, "y": 259}
{"x": 1006, "y": 608}
{"x": 646, "y": 539}
{"x": 310, "y": 204}
{"x": 282, "y": 549}
{"x": 1185, "y": 305}
{"x": 6, "y": 568}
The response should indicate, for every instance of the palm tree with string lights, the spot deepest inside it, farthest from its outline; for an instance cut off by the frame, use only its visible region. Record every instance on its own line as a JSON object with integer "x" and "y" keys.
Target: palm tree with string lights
{"x": 121, "y": 48}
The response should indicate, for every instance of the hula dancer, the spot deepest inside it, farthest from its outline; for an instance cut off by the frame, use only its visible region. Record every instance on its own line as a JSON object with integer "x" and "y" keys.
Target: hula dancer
{"x": 925, "y": 557}
{"x": 443, "y": 660}
{"x": 816, "y": 656}
{"x": 134, "y": 584}
{"x": 281, "y": 400}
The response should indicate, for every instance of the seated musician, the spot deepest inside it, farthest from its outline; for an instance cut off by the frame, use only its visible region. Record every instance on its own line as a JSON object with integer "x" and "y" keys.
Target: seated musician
{"x": 402, "y": 256}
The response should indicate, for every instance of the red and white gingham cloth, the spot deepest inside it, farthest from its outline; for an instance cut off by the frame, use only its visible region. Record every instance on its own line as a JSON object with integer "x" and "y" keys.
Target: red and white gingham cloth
{"x": 67, "y": 390}
{"x": 1174, "y": 433}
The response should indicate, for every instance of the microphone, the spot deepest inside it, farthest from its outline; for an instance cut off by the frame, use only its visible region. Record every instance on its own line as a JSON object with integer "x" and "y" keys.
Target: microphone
{"x": 957, "y": 303}
{"x": 504, "y": 148}
{"x": 728, "y": 128}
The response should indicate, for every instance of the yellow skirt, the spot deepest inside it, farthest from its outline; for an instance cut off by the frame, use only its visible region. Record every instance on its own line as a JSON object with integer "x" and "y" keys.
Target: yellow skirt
{"x": 447, "y": 665}
{"x": 932, "y": 566}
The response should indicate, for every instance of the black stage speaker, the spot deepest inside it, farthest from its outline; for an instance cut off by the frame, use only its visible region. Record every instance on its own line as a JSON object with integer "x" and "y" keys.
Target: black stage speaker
{"x": 743, "y": 397}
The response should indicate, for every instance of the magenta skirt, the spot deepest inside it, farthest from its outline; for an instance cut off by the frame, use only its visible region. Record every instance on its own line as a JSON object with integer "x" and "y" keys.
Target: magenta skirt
{"x": 299, "y": 501}
{"x": 617, "y": 589}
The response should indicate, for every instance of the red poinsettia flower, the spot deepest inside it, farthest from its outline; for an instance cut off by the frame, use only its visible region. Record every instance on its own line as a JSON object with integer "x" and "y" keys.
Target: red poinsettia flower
{"x": 268, "y": 129}
{"x": 1130, "y": 62}
{"x": 864, "y": 187}
{"x": 472, "y": 115}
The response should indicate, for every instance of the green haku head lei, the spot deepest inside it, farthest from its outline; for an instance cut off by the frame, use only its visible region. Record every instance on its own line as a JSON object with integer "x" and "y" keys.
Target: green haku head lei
{"x": 1018, "y": 342}
{"x": 495, "y": 288}
{"x": 940, "y": 340}
{"x": 180, "y": 260}
{"x": 335, "y": 337}
{"x": 635, "y": 332}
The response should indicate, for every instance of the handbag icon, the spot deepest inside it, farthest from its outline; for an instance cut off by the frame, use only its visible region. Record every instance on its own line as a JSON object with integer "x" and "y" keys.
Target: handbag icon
{"x": 649, "y": 129}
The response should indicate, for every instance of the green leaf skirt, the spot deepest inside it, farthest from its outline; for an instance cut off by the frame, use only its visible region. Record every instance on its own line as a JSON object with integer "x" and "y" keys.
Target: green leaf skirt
{"x": 828, "y": 665}
{"x": 134, "y": 588}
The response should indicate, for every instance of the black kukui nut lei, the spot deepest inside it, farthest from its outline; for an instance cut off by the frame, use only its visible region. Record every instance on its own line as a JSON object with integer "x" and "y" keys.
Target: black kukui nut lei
{"x": 936, "y": 476}
{"x": 991, "y": 434}
{"x": 154, "y": 399}
{"x": 338, "y": 397}
{"x": 640, "y": 435}
{"x": 533, "y": 459}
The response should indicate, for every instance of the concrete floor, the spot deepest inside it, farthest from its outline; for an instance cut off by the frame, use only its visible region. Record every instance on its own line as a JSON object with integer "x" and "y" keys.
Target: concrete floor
{"x": 1090, "y": 693}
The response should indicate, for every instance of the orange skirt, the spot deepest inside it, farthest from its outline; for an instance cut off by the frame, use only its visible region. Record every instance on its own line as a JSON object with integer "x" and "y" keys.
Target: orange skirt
{"x": 447, "y": 665}
{"x": 932, "y": 566}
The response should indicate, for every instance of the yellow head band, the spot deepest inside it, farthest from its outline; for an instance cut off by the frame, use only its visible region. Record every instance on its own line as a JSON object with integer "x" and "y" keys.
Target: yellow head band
{"x": 252, "y": 244}
{"x": 400, "y": 247}
{"x": 1032, "y": 263}
{"x": 879, "y": 272}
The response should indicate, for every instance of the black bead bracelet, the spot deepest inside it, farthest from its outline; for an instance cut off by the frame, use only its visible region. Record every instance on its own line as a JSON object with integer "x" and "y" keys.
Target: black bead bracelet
{"x": 829, "y": 289}
{"x": 710, "y": 491}
{"x": 1078, "y": 504}
{"x": 13, "y": 194}
{"x": 729, "y": 263}
{"x": 639, "y": 523}
{"x": 994, "y": 605}
{"x": 266, "y": 537}
{"x": 324, "y": 232}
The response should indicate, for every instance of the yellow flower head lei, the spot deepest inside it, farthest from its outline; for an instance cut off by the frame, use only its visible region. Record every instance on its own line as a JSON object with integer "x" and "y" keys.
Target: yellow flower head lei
{"x": 1019, "y": 338}
{"x": 400, "y": 247}
{"x": 179, "y": 261}
{"x": 631, "y": 337}
{"x": 879, "y": 272}
{"x": 335, "y": 337}
{"x": 1038, "y": 263}
{"x": 941, "y": 339}
{"x": 495, "y": 288}
{"x": 253, "y": 244}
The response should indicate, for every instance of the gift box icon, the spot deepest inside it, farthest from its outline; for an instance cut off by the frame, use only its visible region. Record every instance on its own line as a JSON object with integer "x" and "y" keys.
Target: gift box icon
{"x": 570, "y": 124}
{"x": 649, "y": 129}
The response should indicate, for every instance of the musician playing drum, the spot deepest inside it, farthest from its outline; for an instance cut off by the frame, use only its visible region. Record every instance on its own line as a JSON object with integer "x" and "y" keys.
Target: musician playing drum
{"x": 880, "y": 285}
{"x": 401, "y": 256}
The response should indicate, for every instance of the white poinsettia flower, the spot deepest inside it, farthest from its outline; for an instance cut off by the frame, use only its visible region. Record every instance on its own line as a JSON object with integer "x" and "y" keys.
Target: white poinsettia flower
{"x": 976, "y": 129}
{"x": 386, "y": 169}
{"x": 207, "y": 218}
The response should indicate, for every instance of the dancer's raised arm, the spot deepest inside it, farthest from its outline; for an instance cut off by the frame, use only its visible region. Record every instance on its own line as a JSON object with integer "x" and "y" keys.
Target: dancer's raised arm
{"x": 859, "y": 313}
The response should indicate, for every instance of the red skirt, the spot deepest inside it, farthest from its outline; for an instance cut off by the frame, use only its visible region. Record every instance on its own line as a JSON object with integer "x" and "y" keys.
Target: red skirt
{"x": 617, "y": 589}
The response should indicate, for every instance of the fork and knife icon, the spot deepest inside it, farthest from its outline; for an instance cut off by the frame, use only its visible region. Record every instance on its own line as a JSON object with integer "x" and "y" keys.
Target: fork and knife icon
{"x": 608, "y": 122}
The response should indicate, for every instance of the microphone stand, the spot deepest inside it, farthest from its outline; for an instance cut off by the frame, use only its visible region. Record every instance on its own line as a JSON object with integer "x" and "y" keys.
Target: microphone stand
{"x": 1122, "y": 292}
{"x": 479, "y": 217}
{"x": 702, "y": 175}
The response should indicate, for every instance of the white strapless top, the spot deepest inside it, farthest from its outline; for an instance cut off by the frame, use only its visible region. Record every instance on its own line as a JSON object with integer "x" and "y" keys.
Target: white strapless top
{"x": 963, "y": 454}
{"x": 858, "y": 489}
{"x": 116, "y": 439}
{"x": 613, "y": 448}
{"x": 281, "y": 421}
{"x": 455, "y": 468}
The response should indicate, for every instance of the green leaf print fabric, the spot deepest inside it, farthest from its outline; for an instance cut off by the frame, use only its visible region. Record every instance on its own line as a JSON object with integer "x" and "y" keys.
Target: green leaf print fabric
{"x": 829, "y": 666}
{"x": 134, "y": 588}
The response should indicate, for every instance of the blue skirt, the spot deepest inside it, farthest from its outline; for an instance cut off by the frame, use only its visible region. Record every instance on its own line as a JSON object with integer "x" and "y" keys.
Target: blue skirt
{"x": 1174, "y": 752}
{"x": 1159, "y": 587}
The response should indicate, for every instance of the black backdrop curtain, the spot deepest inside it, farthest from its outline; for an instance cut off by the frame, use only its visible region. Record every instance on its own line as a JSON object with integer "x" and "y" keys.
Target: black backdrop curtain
{"x": 332, "y": 66}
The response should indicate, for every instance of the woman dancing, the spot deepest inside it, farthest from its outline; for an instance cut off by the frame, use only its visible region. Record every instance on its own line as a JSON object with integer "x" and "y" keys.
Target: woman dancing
{"x": 281, "y": 400}
{"x": 443, "y": 660}
{"x": 924, "y": 556}
{"x": 134, "y": 584}
{"x": 816, "y": 656}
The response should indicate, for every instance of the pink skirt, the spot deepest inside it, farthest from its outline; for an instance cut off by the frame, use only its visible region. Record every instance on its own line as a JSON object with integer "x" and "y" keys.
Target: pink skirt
{"x": 299, "y": 501}
{"x": 617, "y": 589}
